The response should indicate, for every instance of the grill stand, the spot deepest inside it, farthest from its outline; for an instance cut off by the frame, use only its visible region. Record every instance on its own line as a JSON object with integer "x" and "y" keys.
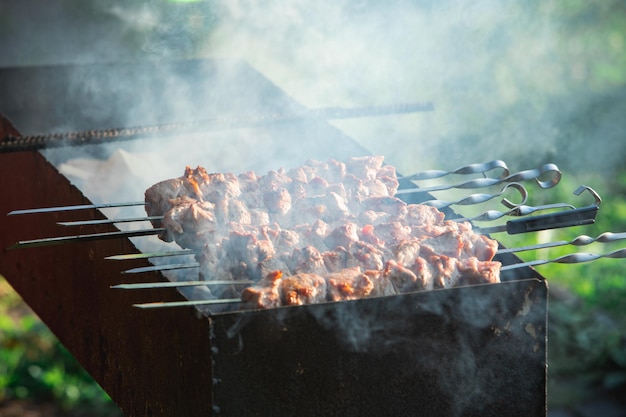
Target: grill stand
{"x": 141, "y": 360}
{"x": 269, "y": 363}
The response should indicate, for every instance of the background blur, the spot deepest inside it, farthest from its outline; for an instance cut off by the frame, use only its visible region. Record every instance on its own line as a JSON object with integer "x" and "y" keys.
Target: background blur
{"x": 528, "y": 82}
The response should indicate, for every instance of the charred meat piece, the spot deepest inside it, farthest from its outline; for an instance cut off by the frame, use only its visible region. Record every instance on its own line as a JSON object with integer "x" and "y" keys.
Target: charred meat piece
{"x": 364, "y": 167}
{"x": 474, "y": 271}
{"x": 366, "y": 255}
{"x": 189, "y": 222}
{"x": 342, "y": 235}
{"x": 402, "y": 278}
{"x": 382, "y": 284}
{"x": 448, "y": 244}
{"x": 264, "y": 294}
{"x": 274, "y": 180}
{"x": 387, "y": 175}
{"x": 349, "y": 284}
{"x": 407, "y": 252}
{"x": 444, "y": 270}
{"x": 383, "y": 204}
{"x": 337, "y": 259}
{"x": 277, "y": 201}
{"x": 332, "y": 171}
{"x": 421, "y": 215}
{"x": 308, "y": 260}
{"x": 303, "y": 288}
{"x": 392, "y": 233}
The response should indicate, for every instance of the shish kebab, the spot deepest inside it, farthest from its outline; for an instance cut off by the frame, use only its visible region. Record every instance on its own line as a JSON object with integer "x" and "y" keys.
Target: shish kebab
{"x": 524, "y": 175}
{"x": 582, "y": 216}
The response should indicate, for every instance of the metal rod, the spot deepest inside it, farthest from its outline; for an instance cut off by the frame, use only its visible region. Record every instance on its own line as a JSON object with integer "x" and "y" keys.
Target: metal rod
{"x": 166, "y": 304}
{"x": 572, "y": 258}
{"x": 151, "y": 285}
{"x": 581, "y": 240}
{"x": 109, "y": 221}
{"x": 78, "y": 207}
{"x": 167, "y": 267}
{"x": 131, "y": 256}
{"x": 464, "y": 170}
{"x": 522, "y": 210}
{"x": 34, "y": 142}
{"x": 571, "y": 216}
{"x": 83, "y": 238}
{"x": 532, "y": 174}
{"x": 482, "y": 198}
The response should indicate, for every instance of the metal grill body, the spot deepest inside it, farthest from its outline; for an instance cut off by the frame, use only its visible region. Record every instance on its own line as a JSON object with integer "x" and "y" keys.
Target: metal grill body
{"x": 463, "y": 351}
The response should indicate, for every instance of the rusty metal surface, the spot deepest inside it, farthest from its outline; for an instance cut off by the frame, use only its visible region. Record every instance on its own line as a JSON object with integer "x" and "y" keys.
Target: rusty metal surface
{"x": 472, "y": 351}
{"x": 142, "y": 361}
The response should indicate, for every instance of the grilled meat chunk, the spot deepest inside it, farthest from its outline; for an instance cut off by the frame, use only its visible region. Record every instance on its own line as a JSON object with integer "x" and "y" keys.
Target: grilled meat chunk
{"x": 265, "y": 294}
{"x": 349, "y": 284}
{"x": 303, "y": 288}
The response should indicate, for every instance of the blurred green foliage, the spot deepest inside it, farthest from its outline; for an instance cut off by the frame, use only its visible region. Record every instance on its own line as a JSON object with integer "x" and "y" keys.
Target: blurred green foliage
{"x": 587, "y": 324}
{"x": 35, "y": 366}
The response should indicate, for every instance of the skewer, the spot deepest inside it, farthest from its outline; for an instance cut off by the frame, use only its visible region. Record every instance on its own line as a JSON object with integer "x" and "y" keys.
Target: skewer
{"x": 572, "y": 258}
{"x": 78, "y": 207}
{"x": 83, "y": 238}
{"x": 464, "y": 170}
{"x": 566, "y": 259}
{"x": 531, "y": 174}
{"x": 521, "y": 210}
{"x": 566, "y": 218}
{"x": 147, "y": 255}
{"x": 581, "y": 240}
{"x": 167, "y": 267}
{"x": 151, "y": 285}
{"x": 109, "y": 221}
{"x": 165, "y": 304}
{"x": 481, "y": 198}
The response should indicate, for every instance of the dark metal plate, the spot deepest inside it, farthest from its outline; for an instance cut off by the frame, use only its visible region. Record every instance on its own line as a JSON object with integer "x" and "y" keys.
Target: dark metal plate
{"x": 472, "y": 351}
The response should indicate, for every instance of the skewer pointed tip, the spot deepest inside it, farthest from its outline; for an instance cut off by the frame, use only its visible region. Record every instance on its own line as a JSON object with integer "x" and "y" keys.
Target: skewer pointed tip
{"x": 171, "y": 304}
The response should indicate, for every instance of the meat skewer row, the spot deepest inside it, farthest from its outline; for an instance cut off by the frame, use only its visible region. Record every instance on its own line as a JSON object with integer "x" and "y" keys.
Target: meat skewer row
{"x": 320, "y": 232}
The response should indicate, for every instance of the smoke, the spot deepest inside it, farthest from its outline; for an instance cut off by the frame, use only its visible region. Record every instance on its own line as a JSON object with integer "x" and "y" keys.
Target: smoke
{"x": 509, "y": 81}
{"x": 527, "y": 82}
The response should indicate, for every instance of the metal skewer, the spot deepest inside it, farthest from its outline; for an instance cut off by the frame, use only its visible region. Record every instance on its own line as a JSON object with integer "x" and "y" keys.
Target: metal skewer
{"x": 78, "y": 207}
{"x": 147, "y": 255}
{"x": 84, "y": 238}
{"x": 481, "y": 198}
{"x": 464, "y": 170}
{"x": 566, "y": 259}
{"x": 177, "y": 284}
{"x": 581, "y": 240}
{"x": 167, "y": 267}
{"x": 532, "y": 174}
{"x": 165, "y": 304}
{"x": 572, "y": 258}
{"x": 109, "y": 221}
{"x": 572, "y": 216}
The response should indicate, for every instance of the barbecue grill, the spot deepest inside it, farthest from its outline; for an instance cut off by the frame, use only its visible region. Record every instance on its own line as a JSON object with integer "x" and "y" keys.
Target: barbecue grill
{"x": 466, "y": 351}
